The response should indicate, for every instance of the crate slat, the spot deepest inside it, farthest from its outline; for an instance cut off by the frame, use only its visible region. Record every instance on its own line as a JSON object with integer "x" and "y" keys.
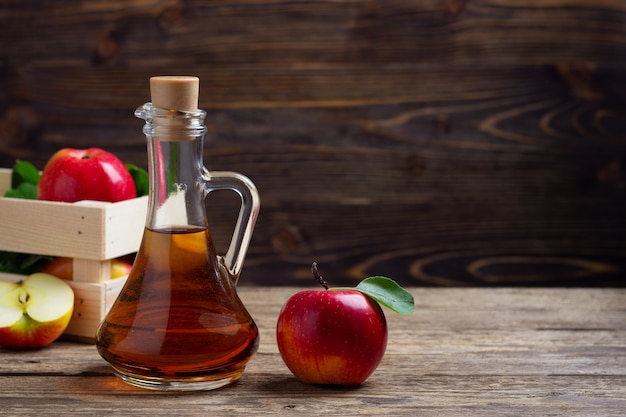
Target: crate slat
{"x": 86, "y": 229}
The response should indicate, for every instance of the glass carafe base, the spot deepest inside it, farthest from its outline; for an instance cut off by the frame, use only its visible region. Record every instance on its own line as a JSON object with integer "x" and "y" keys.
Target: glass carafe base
{"x": 204, "y": 383}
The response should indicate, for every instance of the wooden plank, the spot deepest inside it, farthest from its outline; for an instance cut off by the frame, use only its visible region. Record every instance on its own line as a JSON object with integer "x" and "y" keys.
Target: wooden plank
{"x": 465, "y": 352}
{"x": 88, "y": 270}
{"x": 91, "y": 230}
{"x": 5, "y": 180}
{"x": 440, "y": 143}
{"x": 61, "y": 232}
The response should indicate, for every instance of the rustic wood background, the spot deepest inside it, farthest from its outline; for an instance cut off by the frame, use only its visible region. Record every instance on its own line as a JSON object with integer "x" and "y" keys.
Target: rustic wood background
{"x": 441, "y": 142}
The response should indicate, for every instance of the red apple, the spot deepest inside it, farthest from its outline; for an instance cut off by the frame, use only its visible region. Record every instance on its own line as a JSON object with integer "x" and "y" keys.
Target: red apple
{"x": 120, "y": 268}
{"x": 331, "y": 336}
{"x": 63, "y": 267}
{"x": 85, "y": 174}
{"x": 34, "y": 312}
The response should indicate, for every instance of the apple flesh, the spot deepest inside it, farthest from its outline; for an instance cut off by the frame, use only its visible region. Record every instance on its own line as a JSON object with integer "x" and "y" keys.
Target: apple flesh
{"x": 34, "y": 312}
{"x": 331, "y": 337}
{"x": 72, "y": 175}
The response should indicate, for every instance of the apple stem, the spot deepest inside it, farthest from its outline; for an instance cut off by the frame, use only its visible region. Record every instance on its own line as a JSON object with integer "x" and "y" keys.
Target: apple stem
{"x": 318, "y": 277}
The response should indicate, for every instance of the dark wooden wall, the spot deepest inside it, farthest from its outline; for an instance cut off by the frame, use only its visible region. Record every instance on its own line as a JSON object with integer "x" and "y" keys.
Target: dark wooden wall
{"x": 439, "y": 142}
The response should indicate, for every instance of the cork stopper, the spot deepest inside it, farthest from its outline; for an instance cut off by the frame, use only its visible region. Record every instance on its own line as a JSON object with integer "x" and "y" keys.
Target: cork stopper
{"x": 175, "y": 92}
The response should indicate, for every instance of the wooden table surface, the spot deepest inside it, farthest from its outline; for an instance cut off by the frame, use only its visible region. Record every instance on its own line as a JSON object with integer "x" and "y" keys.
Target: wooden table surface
{"x": 465, "y": 352}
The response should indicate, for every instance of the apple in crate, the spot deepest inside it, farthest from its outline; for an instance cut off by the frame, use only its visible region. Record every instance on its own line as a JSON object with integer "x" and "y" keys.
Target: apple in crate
{"x": 34, "y": 312}
{"x": 63, "y": 267}
{"x": 72, "y": 175}
{"x": 338, "y": 336}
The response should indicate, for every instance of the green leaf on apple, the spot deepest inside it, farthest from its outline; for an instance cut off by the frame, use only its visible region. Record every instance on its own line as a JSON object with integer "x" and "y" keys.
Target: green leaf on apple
{"x": 140, "y": 177}
{"x": 388, "y": 293}
{"x": 381, "y": 289}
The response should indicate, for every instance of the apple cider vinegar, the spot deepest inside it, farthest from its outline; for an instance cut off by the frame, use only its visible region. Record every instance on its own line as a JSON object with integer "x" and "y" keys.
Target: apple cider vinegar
{"x": 177, "y": 316}
{"x": 178, "y": 323}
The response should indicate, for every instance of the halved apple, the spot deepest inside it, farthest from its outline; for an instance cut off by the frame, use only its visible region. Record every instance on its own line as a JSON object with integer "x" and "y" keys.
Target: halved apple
{"x": 34, "y": 312}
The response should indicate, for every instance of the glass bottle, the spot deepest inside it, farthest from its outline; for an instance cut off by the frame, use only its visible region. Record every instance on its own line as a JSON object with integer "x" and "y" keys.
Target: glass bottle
{"x": 178, "y": 323}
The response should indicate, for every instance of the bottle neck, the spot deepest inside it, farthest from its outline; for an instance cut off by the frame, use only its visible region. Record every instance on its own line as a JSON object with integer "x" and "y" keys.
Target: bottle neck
{"x": 175, "y": 167}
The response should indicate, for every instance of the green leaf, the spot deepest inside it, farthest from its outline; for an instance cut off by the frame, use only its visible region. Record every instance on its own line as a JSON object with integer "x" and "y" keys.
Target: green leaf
{"x": 21, "y": 263}
{"x": 25, "y": 190}
{"x": 24, "y": 172}
{"x": 388, "y": 293}
{"x": 140, "y": 176}
{"x": 24, "y": 180}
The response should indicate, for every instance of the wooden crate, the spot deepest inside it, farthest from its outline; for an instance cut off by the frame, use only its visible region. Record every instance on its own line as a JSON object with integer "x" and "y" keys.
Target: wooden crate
{"x": 91, "y": 232}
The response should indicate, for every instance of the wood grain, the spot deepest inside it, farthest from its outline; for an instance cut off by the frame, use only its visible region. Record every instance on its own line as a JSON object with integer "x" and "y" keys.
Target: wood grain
{"x": 92, "y": 230}
{"x": 445, "y": 142}
{"x": 464, "y": 352}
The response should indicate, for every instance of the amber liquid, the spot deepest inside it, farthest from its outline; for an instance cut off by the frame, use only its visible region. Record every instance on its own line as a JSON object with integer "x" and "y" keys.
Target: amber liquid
{"x": 178, "y": 318}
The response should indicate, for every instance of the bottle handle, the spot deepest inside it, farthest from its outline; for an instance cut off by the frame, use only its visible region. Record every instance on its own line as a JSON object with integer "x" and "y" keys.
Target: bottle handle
{"x": 250, "y": 205}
